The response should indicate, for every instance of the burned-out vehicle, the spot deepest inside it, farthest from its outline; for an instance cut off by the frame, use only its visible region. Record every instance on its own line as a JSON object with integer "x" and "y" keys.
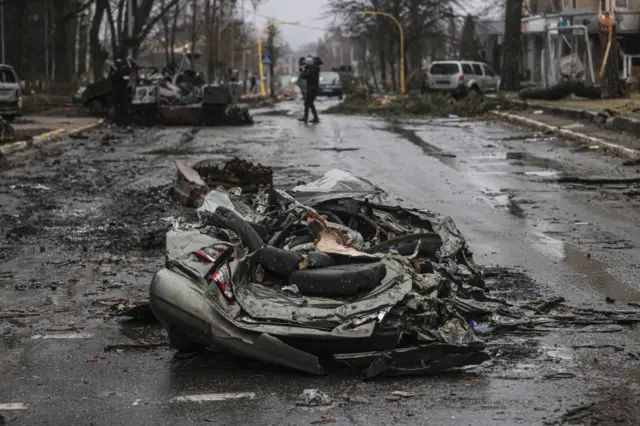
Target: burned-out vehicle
{"x": 330, "y": 273}
{"x": 161, "y": 102}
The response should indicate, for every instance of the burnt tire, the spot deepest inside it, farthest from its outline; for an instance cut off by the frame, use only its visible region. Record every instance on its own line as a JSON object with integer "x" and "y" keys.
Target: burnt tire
{"x": 338, "y": 280}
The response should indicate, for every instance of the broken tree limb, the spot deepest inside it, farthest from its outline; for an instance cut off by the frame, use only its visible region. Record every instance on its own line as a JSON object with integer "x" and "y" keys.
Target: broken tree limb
{"x": 24, "y": 314}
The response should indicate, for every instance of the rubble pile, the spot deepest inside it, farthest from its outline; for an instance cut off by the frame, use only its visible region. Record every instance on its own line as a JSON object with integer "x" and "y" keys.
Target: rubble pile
{"x": 335, "y": 270}
{"x": 433, "y": 104}
{"x": 235, "y": 173}
{"x": 237, "y": 115}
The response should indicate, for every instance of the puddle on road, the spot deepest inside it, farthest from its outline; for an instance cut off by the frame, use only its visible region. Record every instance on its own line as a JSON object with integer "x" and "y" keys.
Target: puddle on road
{"x": 586, "y": 269}
{"x": 526, "y": 159}
{"x": 412, "y": 136}
{"x": 510, "y": 163}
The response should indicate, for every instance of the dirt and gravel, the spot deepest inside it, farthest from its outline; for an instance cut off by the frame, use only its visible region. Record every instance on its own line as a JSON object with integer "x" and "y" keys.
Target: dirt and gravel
{"x": 83, "y": 225}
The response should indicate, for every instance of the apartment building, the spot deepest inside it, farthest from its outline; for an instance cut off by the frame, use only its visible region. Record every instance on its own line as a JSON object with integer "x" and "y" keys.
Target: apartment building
{"x": 543, "y": 44}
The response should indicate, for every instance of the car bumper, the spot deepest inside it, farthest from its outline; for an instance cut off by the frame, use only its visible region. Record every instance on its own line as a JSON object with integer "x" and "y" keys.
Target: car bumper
{"x": 10, "y": 109}
{"x": 460, "y": 90}
{"x": 179, "y": 302}
{"x": 329, "y": 92}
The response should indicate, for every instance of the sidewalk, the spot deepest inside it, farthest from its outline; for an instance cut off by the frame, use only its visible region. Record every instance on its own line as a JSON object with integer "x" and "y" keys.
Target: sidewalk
{"x": 33, "y": 130}
{"x": 624, "y": 144}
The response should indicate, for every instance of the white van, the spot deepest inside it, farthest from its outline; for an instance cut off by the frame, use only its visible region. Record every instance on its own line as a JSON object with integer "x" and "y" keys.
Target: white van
{"x": 461, "y": 77}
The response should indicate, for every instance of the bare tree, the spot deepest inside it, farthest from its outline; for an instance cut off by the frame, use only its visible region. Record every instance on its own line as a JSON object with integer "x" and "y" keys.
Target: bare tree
{"x": 468, "y": 42}
{"x": 512, "y": 45}
{"x": 420, "y": 20}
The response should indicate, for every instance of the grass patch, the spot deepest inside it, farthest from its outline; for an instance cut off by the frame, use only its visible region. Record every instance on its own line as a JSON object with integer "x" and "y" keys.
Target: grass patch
{"x": 436, "y": 105}
{"x": 629, "y": 107}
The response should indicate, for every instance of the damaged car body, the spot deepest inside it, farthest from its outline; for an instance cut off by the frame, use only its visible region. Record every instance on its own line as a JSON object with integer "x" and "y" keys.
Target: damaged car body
{"x": 333, "y": 272}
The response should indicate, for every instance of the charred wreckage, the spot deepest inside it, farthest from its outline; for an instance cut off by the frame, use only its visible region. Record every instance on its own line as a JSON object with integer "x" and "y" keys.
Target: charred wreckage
{"x": 331, "y": 273}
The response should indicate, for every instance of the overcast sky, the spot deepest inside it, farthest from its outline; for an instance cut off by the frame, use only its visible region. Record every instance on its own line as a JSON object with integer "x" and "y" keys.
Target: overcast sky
{"x": 308, "y": 12}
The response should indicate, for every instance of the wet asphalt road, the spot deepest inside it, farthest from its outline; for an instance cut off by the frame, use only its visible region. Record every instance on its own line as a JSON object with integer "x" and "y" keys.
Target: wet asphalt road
{"x": 81, "y": 223}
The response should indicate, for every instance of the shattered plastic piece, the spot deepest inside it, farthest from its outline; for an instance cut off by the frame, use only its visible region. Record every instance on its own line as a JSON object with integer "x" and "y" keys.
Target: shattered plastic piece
{"x": 215, "y": 199}
{"x": 313, "y": 398}
{"x": 403, "y": 394}
{"x": 330, "y": 243}
{"x": 482, "y": 328}
{"x": 291, "y": 288}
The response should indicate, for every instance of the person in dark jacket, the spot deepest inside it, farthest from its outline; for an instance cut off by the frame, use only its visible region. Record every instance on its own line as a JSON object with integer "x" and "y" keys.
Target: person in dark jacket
{"x": 122, "y": 81}
{"x": 311, "y": 74}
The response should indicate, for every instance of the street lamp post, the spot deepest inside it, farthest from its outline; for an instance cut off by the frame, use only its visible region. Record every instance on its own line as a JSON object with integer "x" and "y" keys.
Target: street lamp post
{"x": 388, "y": 15}
{"x": 260, "y": 65}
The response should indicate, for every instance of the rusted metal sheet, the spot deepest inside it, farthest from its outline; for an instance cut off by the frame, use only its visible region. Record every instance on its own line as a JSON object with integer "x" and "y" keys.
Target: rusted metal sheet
{"x": 189, "y": 186}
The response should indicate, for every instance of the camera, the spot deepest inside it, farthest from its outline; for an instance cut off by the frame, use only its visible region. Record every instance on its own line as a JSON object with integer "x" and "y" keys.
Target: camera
{"x": 303, "y": 62}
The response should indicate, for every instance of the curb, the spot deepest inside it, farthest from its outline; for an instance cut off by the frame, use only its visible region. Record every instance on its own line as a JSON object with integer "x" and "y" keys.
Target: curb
{"x": 52, "y": 136}
{"x": 620, "y": 123}
{"x": 580, "y": 137}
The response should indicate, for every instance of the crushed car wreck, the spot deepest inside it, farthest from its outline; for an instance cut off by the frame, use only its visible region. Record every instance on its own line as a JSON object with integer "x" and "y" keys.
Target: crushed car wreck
{"x": 332, "y": 272}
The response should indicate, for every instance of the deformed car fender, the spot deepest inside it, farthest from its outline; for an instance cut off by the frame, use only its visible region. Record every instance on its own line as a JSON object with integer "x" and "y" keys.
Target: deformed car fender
{"x": 179, "y": 301}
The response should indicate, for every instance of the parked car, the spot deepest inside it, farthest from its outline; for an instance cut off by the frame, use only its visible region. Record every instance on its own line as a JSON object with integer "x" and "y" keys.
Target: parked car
{"x": 331, "y": 84}
{"x": 461, "y": 77}
{"x": 10, "y": 93}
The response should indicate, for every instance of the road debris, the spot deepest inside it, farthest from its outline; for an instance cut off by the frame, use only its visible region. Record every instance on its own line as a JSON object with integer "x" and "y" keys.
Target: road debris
{"x": 313, "y": 398}
{"x": 139, "y": 346}
{"x": 235, "y": 173}
{"x": 335, "y": 241}
{"x": 324, "y": 421}
{"x": 598, "y": 180}
{"x": 433, "y": 104}
{"x": 189, "y": 186}
{"x": 24, "y": 314}
{"x": 403, "y": 394}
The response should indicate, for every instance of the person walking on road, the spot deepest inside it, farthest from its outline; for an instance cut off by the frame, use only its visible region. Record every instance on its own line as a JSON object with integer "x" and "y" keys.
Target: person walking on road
{"x": 301, "y": 82}
{"x": 311, "y": 74}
